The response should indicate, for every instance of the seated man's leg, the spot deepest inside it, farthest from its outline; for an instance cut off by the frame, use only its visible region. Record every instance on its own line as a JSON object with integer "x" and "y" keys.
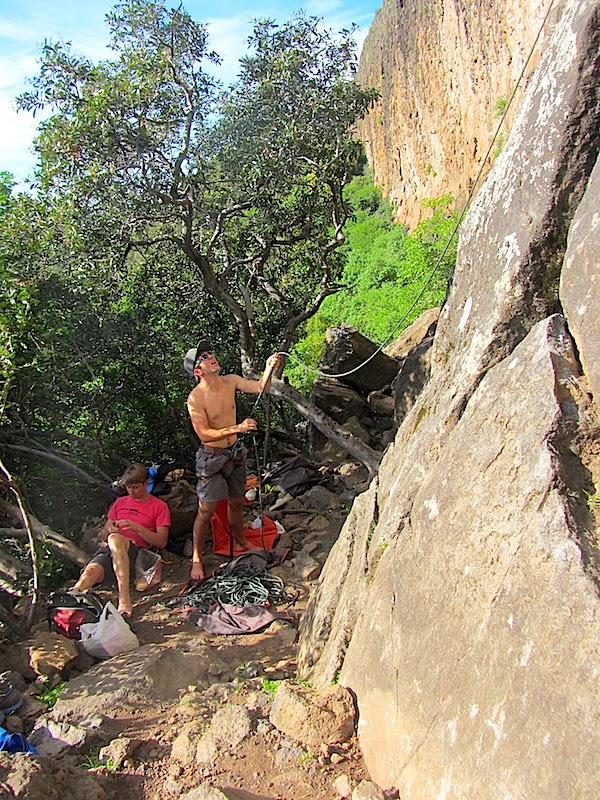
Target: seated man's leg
{"x": 119, "y": 547}
{"x": 99, "y": 567}
{"x": 199, "y": 534}
{"x": 92, "y": 574}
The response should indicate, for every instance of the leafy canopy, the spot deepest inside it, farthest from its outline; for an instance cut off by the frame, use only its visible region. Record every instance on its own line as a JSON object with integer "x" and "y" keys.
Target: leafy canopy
{"x": 386, "y": 270}
{"x": 166, "y": 208}
{"x": 144, "y": 153}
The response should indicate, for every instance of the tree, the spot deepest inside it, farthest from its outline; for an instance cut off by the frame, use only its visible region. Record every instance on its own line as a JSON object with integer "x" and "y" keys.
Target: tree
{"x": 142, "y": 156}
{"x": 15, "y": 298}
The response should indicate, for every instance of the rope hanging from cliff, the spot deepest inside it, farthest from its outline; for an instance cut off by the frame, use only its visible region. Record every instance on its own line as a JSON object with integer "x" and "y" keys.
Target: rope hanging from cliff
{"x": 455, "y": 229}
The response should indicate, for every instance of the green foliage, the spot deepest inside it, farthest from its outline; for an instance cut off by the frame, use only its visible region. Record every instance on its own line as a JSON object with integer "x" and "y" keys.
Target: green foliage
{"x": 303, "y": 682}
{"x": 166, "y": 208}
{"x": 500, "y": 140}
{"x": 270, "y": 686}
{"x": 385, "y": 270}
{"x": 500, "y": 107}
{"x": 16, "y": 296}
{"x": 49, "y": 696}
{"x": 93, "y": 761}
{"x": 593, "y": 500}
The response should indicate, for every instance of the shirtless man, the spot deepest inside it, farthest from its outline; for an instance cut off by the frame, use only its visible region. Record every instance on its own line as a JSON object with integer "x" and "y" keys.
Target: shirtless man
{"x": 220, "y": 460}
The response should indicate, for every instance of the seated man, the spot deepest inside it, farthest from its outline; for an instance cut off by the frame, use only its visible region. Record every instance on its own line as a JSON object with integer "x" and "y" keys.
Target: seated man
{"x": 136, "y": 520}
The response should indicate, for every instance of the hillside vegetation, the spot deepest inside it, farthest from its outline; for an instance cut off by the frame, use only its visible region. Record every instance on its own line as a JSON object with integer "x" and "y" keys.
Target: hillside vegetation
{"x": 390, "y": 276}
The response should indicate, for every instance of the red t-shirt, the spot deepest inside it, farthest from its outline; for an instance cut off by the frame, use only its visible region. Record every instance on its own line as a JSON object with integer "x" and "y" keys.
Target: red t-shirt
{"x": 152, "y": 513}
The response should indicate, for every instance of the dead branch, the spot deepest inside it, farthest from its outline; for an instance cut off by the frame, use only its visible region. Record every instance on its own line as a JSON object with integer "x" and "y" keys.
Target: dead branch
{"x": 46, "y": 455}
{"x": 60, "y": 544}
{"x": 351, "y": 444}
{"x": 33, "y": 553}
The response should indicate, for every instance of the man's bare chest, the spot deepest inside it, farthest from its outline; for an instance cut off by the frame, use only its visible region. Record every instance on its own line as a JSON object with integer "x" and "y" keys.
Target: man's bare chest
{"x": 220, "y": 407}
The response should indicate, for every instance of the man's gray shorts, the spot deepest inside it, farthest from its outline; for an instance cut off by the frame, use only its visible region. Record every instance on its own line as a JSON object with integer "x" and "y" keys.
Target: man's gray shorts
{"x": 221, "y": 473}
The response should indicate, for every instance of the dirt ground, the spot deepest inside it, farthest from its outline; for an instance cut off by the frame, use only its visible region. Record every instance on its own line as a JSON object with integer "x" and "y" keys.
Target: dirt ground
{"x": 267, "y": 763}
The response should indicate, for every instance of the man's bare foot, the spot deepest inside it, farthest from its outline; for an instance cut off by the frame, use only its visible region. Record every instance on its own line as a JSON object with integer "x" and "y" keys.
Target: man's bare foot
{"x": 125, "y": 608}
{"x": 197, "y": 573}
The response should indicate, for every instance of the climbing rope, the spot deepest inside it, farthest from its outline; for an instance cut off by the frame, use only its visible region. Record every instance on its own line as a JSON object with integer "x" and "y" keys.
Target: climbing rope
{"x": 243, "y": 586}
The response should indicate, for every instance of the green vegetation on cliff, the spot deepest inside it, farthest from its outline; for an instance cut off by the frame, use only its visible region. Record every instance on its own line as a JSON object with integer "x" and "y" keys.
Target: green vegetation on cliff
{"x": 385, "y": 271}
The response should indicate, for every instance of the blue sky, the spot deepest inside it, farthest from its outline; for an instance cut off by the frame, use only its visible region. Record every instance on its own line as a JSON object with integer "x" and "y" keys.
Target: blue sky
{"x": 24, "y": 24}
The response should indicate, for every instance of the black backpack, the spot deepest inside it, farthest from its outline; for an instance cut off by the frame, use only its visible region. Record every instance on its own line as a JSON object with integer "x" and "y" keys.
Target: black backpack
{"x": 68, "y": 609}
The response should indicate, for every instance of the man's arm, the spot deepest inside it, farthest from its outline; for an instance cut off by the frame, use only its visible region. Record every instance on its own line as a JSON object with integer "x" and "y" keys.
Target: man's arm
{"x": 262, "y": 385}
{"x": 158, "y": 538}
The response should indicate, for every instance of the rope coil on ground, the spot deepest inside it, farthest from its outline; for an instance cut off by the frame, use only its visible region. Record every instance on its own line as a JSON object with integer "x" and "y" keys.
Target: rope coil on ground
{"x": 243, "y": 588}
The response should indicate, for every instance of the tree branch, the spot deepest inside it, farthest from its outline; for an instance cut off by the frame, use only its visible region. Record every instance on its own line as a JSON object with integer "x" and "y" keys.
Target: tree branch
{"x": 351, "y": 444}
{"x": 46, "y": 535}
{"x": 45, "y": 455}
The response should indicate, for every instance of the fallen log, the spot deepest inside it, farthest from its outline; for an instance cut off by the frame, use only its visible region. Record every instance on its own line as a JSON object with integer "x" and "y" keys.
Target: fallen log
{"x": 351, "y": 444}
{"x": 42, "y": 533}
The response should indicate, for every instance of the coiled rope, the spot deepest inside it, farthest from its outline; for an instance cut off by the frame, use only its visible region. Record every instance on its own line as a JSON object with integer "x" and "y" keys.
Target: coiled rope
{"x": 242, "y": 586}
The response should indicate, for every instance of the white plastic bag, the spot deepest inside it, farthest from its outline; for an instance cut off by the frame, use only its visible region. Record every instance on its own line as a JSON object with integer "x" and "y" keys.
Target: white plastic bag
{"x": 109, "y": 636}
{"x": 148, "y": 569}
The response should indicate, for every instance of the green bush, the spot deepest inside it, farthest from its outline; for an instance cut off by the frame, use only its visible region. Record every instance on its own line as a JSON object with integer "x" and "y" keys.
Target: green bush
{"x": 385, "y": 271}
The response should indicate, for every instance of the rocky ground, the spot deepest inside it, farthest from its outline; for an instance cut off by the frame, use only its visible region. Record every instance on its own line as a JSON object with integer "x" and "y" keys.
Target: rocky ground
{"x": 192, "y": 715}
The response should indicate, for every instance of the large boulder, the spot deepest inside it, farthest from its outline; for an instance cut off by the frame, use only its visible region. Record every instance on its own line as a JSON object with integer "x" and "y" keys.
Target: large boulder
{"x": 422, "y": 328}
{"x": 481, "y": 614}
{"x": 352, "y": 358}
{"x": 339, "y": 402}
{"x": 580, "y": 281}
{"x": 471, "y": 638}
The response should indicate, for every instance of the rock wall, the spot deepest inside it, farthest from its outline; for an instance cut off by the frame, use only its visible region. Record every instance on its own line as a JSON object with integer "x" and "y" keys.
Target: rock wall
{"x": 442, "y": 68}
{"x": 460, "y": 602}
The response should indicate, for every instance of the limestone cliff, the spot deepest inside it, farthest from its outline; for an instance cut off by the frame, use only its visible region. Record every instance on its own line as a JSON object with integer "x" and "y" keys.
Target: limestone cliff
{"x": 460, "y": 602}
{"x": 444, "y": 69}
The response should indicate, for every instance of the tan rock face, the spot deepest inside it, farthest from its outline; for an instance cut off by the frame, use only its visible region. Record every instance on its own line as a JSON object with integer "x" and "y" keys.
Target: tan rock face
{"x": 460, "y": 602}
{"x": 442, "y": 68}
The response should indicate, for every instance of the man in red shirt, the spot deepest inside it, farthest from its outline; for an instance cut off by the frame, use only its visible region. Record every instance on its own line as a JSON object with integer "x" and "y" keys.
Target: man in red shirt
{"x": 136, "y": 520}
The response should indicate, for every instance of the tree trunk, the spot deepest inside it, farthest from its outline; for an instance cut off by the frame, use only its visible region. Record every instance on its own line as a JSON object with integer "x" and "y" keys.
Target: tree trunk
{"x": 43, "y": 533}
{"x": 353, "y": 446}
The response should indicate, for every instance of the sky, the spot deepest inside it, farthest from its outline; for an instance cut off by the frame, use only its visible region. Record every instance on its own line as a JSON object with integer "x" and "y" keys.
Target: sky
{"x": 24, "y": 24}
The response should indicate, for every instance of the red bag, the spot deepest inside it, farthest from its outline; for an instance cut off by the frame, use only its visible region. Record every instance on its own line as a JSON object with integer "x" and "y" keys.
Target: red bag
{"x": 225, "y": 545}
{"x": 68, "y": 609}
{"x": 67, "y": 621}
